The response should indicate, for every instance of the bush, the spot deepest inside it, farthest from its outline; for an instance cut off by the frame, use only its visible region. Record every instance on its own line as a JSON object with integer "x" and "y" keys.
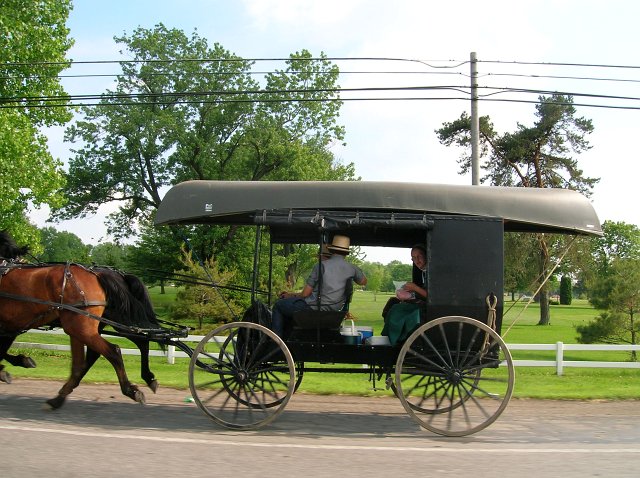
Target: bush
{"x": 201, "y": 302}
{"x": 565, "y": 291}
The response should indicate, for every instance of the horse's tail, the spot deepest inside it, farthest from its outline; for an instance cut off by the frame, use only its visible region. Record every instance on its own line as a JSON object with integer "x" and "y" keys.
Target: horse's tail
{"x": 122, "y": 306}
{"x": 141, "y": 294}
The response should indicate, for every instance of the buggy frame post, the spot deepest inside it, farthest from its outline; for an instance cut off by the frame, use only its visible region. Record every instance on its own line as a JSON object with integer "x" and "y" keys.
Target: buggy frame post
{"x": 256, "y": 264}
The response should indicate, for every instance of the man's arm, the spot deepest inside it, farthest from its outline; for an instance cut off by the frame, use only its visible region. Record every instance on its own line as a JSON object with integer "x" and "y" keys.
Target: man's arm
{"x": 306, "y": 292}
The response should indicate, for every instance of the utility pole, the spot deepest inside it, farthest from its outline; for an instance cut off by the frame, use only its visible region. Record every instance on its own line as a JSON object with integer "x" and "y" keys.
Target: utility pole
{"x": 475, "y": 123}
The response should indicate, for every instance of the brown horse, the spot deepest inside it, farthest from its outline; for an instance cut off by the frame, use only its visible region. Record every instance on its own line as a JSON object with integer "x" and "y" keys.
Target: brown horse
{"x": 141, "y": 307}
{"x": 34, "y": 296}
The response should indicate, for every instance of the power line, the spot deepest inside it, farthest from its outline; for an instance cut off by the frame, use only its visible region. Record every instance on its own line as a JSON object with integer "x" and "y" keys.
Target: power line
{"x": 119, "y": 98}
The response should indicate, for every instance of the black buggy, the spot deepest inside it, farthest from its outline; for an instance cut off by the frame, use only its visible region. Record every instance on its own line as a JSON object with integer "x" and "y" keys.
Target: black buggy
{"x": 453, "y": 374}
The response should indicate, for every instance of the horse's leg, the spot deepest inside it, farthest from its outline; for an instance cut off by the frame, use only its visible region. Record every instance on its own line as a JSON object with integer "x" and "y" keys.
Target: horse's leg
{"x": 112, "y": 353}
{"x": 77, "y": 369}
{"x": 5, "y": 343}
{"x": 145, "y": 372}
{"x": 20, "y": 361}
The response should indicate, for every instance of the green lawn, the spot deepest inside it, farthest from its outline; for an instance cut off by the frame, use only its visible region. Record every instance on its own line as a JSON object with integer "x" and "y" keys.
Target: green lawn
{"x": 518, "y": 326}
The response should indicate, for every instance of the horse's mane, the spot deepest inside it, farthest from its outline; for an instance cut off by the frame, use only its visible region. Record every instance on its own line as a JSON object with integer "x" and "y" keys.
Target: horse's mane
{"x": 8, "y": 247}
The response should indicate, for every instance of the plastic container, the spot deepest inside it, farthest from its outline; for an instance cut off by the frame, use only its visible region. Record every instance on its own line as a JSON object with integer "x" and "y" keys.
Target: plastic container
{"x": 365, "y": 332}
{"x": 378, "y": 340}
{"x": 350, "y": 334}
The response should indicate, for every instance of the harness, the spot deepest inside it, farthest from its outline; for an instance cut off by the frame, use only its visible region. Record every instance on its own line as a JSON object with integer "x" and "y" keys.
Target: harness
{"x": 67, "y": 279}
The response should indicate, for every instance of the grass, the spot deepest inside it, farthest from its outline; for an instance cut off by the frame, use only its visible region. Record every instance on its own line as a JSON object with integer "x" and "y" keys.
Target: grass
{"x": 519, "y": 327}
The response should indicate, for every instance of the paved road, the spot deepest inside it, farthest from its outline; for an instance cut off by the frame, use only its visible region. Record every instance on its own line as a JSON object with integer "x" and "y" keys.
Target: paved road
{"x": 99, "y": 433}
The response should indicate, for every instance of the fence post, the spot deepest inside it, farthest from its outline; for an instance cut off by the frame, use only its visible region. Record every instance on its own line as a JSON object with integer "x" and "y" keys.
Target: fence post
{"x": 171, "y": 354}
{"x": 559, "y": 357}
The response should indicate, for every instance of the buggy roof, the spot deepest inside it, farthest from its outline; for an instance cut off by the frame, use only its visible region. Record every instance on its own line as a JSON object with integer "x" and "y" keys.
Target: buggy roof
{"x": 297, "y": 206}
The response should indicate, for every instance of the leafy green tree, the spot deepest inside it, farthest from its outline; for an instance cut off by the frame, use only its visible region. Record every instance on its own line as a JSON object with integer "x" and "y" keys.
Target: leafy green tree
{"x": 109, "y": 254}
{"x": 155, "y": 256}
{"x": 62, "y": 246}
{"x": 396, "y": 271}
{"x": 34, "y": 40}
{"x": 620, "y": 240}
{"x": 375, "y": 275}
{"x": 618, "y": 294}
{"x": 172, "y": 118}
{"x": 539, "y": 156}
{"x": 519, "y": 263}
{"x": 183, "y": 110}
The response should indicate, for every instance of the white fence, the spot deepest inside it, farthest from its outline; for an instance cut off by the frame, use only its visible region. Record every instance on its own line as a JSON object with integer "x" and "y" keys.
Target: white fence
{"x": 559, "y": 348}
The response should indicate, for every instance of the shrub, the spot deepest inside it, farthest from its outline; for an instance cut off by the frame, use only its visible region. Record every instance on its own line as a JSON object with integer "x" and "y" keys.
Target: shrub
{"x": 565, "y": 291}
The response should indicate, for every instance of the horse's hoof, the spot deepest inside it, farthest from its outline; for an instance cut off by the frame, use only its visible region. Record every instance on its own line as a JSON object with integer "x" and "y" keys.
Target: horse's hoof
{"x": 5, "y": 376}
{"x": 153, "y": 385}
{"x": 55, "y": 403}
{"x": 138, "y": 396}
{"x": 28, "y": 362}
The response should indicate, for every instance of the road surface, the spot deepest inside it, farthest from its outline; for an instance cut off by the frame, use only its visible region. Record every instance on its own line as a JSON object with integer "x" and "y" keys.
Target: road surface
{"x": 100, "y": 433}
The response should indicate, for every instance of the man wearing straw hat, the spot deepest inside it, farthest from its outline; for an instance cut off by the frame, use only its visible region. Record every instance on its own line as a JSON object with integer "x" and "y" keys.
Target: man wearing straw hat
{"x": 331, "y": 280}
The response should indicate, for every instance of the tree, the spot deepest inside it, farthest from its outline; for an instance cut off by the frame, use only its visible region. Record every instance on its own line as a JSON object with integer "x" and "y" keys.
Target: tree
{"x": 618, "y": 294}
{"x": 109, "y": 254}
{"x": 375, "y": 275}
{"x": 62, "y": 246}
{"x": 33, "y": 43}
{"x": 619, "y": 241}
{"x": 182, "y": 110}
{"x": 538, "y": 156}
{"x": 519, "y": 263}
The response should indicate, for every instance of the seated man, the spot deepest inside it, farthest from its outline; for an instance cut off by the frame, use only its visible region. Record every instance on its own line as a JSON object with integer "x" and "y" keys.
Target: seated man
{"x": 335, "y": 274}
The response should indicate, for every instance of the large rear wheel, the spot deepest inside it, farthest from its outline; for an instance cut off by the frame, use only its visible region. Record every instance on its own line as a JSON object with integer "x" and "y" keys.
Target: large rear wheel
{"x": 242, "y": 375}
{"x": 454, "y": 376}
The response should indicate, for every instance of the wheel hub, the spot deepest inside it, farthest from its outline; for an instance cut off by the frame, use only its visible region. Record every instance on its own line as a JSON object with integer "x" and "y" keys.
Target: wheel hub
{"x": 241, "y": 376}
{"x": 455, "y": 377}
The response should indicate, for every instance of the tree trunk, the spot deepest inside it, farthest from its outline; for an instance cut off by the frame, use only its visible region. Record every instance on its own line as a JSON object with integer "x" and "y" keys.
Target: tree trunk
{"x": 634, "y": 356}
{"x": 162, "y": 286}
{"x": 543, "y": 295}
{"x": 545, "y": 310}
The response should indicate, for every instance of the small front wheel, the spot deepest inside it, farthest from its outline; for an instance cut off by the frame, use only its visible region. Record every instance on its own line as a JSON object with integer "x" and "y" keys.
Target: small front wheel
{"x": 242, "y": 375}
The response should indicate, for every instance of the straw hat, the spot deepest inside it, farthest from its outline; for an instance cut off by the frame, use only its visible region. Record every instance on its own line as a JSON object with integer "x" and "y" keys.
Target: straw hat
{"x": 340, "y": 244}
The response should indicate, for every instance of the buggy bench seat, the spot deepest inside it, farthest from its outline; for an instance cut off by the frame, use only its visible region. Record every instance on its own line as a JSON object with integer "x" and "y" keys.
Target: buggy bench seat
{"x": 317, "y": 325}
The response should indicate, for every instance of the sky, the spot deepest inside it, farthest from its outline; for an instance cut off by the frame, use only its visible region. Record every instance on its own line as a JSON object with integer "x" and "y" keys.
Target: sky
{"x": 519, "y": 45}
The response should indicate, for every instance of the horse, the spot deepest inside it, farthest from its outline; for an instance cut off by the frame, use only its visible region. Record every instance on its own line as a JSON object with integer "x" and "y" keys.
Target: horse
{"x": 33, "y": 296}
{"x": 142, "y": 308}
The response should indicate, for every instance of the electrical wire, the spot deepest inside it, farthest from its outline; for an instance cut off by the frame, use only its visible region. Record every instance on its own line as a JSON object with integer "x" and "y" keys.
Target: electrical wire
{"x": 335, "y": 94}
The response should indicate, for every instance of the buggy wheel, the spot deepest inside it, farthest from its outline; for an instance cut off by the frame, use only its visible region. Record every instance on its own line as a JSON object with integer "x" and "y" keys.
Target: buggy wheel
{"x": 454, "y": 376}
{"x": 244, "y": 380}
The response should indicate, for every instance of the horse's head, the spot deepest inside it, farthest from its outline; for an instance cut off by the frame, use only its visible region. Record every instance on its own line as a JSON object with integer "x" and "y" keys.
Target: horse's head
{"x": 8, "y": 247}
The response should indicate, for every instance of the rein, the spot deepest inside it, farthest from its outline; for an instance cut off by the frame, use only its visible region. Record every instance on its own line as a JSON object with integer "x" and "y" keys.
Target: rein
{"x": 76, "y": 308}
